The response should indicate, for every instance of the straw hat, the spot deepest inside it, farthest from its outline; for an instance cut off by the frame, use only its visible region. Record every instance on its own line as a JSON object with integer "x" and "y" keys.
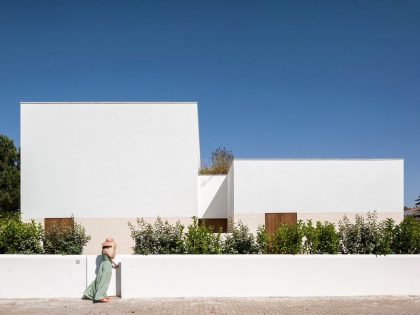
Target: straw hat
{"x": 109, "y": 241}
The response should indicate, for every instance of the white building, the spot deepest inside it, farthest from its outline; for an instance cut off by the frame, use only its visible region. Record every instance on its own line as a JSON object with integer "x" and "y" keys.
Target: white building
{"x": 109, "y": 163}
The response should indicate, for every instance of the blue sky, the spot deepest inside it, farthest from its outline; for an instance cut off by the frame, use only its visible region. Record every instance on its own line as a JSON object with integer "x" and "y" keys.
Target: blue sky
{"x": 304, "y": 79}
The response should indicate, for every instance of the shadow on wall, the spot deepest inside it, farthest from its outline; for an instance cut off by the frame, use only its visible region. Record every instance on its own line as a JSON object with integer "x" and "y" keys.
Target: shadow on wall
{"x": 115, "y": 272}
{"x": 218, "y": 205}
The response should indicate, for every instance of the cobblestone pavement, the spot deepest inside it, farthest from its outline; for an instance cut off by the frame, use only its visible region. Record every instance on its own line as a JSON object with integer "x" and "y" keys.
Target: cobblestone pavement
{"x": 203, "y": 306}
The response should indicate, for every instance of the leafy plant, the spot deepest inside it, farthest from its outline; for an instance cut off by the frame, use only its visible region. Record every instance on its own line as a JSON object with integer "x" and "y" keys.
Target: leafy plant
{"x": 9, "y": 175}
{"x": 159, "y": 238}
{"x": 17, "y": 237}
{"x": 288, "y": 239}
{"x": 263, "y": 240}
{"x": 241, "y": 241}
{"x": 221, "y": 160}
{"x": 407, "y": 237}
{"x": 321, "y": 238}
{"x": 200, "y": 239}
{"x": 387, "y": 230}
{"x": 63, "y": 239}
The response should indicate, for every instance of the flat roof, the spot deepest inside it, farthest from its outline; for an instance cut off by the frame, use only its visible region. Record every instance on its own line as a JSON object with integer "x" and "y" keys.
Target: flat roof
{"x": 189, "y": 102}
{"x": 318, "y": 159}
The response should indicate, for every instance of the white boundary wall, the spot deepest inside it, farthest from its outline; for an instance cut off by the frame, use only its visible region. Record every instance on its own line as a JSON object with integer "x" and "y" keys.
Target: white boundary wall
{"x": 54, "y": 276}
{"x": 42, "y": 276}
{"x": 106, "y": 160}
{"x": 269, "y": 275}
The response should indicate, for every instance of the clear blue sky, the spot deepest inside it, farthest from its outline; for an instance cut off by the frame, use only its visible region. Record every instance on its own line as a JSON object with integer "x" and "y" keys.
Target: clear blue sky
{"x": 306, "y": 79}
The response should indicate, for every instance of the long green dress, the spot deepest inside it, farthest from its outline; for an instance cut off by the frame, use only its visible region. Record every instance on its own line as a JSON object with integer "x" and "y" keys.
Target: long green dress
{"x": 97, "y": 289}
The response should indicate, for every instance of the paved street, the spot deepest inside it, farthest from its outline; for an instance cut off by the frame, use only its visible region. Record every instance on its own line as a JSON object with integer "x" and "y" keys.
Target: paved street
{"x": 252, "y": 306}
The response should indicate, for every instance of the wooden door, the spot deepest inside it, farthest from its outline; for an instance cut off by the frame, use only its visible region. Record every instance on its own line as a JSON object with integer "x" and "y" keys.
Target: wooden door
{"x": 61, "y": 222}
{"x": 274, "y": 220}
{"x": 215, "y": 224}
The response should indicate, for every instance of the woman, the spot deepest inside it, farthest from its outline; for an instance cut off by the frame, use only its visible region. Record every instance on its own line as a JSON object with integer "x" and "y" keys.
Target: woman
{"x": 96, "y": 291}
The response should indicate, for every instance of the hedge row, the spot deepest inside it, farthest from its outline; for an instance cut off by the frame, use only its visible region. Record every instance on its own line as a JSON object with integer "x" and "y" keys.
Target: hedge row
{"x": 363, "y": 236}
{"x": 18, "y": 237}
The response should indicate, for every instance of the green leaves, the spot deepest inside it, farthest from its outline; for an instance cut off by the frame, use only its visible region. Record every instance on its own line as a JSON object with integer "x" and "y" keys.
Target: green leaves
{"x": 221, "y": 159}
{"x": 241, "y": 241}
{"x": 159, "y": 238}
{"x": 17, "y": 237}
{"x": 9, "y": 175}
{"x": 65, "y": 240}
{"x": 200, "y": 239}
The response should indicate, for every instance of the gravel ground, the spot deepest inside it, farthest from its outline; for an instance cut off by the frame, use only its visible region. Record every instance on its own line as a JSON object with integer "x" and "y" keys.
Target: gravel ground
{"x": 203, "y": 306}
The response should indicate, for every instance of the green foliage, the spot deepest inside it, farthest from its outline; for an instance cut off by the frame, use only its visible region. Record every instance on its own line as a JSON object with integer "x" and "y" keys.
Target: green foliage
{"x": 387, "y": 231}
{"x": 241, "y": 241}
{"x": 407, "y": 237}
{"x": 9, "y": 175}
{"x": 200, "y": 239}
{"x": 63, "y": 239}
{"x": 263, "y": 240}
{"x": 417, "y": 202}
{"x": 221, "y": 160}
{"x": 360, "y": 237}
{"x": 159, "y": 238}
{"x": 17, "y": 237}
{"x": 363, "y": 236}
{"x": 288, "y": 239}
{"x": 321, "y": 238}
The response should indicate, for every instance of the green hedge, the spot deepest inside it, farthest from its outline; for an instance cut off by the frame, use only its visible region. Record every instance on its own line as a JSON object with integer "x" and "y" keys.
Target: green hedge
{"x": 18, "y": 237}
{"x": 362, "y": 236}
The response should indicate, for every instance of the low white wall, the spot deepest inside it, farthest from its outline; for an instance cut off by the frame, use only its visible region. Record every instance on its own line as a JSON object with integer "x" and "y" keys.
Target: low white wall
{"x": 269, "y": 275}
{"x": 42, "y": 276}
{"x": 212, "y": 196}
{"x": 53, "y": 276}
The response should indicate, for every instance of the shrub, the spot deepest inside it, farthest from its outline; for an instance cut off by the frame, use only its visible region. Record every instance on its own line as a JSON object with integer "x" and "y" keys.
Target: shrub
{"x": 360, "y": 237}
{"x": 407, "y": 237}
{"x": 321, "y": 238}
{"x": 221, "y": 160}
{"x": 159, "y": 238}
{"x": 387, "y": 231}
{"x": 17, "y": 237}
{"x": 241, "y": 241}
{"x": 200, "y": 239}
{"x": 262, "y": 240}
{"x": 288, "y": 239}
{"x": 61, "y": 239}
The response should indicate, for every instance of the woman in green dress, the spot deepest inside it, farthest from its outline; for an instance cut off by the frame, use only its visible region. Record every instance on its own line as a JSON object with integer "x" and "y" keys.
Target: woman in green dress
{"x": 96, "y": 291}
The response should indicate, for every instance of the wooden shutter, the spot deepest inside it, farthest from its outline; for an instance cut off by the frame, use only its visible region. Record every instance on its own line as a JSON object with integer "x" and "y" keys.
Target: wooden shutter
{"x": 215, "y": 224}
{"x": 274, "y": 220}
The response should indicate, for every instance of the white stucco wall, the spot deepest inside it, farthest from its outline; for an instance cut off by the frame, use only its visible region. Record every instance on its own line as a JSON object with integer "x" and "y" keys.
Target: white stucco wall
{"x": 109, "y": 159}
{"x": 268, "y": 275}
{"x": 212, "y": 196}
{"x": 55, "y": 276}
{"x": 42, "y": 276}
{"x": 318, "y": 186}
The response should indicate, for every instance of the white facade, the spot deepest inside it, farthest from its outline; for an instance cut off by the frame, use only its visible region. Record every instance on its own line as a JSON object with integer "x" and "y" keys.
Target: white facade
{"x": 109, "y": 163}
{"x": 212, "y": 196}
{"x": 104, "y": 160}
{"x": 314, "y": 186}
